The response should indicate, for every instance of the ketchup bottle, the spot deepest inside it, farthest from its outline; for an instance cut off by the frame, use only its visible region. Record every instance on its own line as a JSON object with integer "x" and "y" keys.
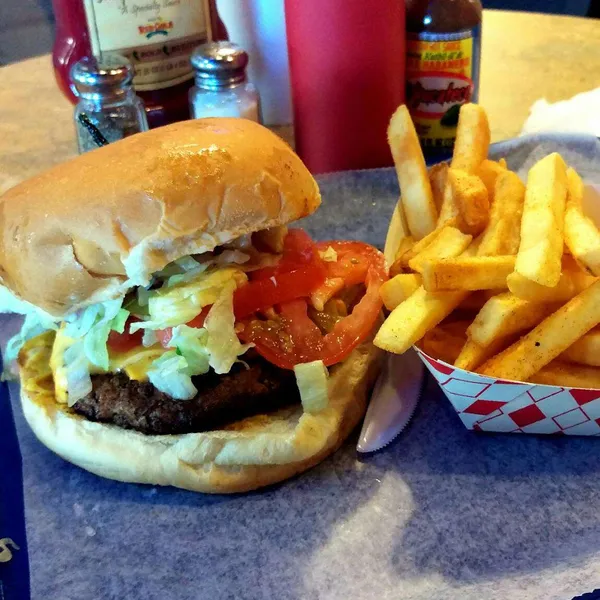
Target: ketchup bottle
{"x": 157, "y": 37}
{"x": 347, "y": 73}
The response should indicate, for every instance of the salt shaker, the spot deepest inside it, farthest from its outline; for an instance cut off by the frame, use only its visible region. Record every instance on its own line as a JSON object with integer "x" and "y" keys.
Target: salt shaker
{"x": 106, "y": 96}
{"x": 222, "y": 88}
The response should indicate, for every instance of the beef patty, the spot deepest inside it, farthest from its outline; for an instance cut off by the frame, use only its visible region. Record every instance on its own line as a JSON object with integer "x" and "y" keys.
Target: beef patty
{"x": 221, "y": 399}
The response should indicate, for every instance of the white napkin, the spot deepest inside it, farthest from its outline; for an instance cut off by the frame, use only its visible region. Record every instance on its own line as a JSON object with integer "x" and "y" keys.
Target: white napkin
{"x": 579, "y": 114}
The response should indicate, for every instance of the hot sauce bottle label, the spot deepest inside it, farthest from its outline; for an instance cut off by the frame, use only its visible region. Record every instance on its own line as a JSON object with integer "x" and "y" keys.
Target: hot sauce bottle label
{"x": 440, "y": 74}
{"x": 158, "y": 36}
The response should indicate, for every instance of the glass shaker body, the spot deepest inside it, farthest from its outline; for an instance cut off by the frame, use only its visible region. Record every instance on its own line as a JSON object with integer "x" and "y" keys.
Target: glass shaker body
{"x": 106, "y": 97}
{"x": 239, "y": 100}
{"x": 115, "y": 117}
{"x": 221, "y": 88}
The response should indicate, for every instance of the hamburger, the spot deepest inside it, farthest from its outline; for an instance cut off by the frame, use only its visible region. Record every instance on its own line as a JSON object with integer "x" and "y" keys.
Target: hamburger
{"x": 178, "y": 331}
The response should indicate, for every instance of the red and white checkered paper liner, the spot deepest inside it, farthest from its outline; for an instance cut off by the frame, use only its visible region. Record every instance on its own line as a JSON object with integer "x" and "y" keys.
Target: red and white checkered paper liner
{"x": 487, "y": 404}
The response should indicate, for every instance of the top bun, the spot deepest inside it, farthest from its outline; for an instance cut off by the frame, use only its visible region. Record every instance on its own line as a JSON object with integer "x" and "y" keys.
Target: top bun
{"x": 88, "y": 230}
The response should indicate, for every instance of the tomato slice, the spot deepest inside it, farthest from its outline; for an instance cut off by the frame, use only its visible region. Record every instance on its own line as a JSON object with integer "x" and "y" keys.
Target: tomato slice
{"x": 164, "y": 335}
{"x": 299, "y": 271}
{"x": 294, "y": 338}
{"x": 123, "y": 342}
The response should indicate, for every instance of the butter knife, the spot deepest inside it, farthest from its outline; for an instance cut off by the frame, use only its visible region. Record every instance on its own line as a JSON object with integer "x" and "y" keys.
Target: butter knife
{"x": 394, "y": 400}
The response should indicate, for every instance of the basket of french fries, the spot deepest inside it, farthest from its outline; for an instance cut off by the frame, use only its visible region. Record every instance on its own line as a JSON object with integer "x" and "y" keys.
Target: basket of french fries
{"x": 494, "y": 281}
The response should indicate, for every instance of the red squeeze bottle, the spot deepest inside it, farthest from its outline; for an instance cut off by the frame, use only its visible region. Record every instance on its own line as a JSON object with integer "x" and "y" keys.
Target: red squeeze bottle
{"x": 347, "y": 61}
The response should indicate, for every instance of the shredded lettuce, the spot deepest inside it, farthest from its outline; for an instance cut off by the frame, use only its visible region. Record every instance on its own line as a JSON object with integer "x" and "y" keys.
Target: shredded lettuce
{"x": 179, "y": 304}
{"x": 118, "y": 323}
{"x": 170, "y": 375}
{"x": 90, "y": 329}
{"x": 197, "y": 349}
{"x": 77, "y": 372}
{"x": 311, "y": 379}
{"x": 223, "y": 344}
{"x": 191, "y": 344}
{"x": 33, "y": 325}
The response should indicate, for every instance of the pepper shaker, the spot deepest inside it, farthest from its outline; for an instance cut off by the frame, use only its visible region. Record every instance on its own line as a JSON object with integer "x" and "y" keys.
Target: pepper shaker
{"x": 222, "y": 88}
{"x": 106, "y": 97}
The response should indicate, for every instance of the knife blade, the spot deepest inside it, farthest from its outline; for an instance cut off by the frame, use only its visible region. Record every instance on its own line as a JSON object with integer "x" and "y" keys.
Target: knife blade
{"x": 394, "y": 400}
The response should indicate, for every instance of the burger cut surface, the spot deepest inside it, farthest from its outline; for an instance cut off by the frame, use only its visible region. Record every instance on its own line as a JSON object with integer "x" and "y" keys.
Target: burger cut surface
{"x": 221, "y": 399}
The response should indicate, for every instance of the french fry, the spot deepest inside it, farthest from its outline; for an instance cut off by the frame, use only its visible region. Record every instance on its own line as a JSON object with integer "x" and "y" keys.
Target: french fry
{"x": 466, "y": 273}
{"x": 449, "y": 211}
{"x": 399, "y": 288}
{"x": 450, "y": 242}
{"x": 502, "y": 163}
{"x": 541, "y": 248}
{"x": 414, "y": 317}
{"x": 472, "y": 354}
{"x": 569, "y": 285}
{"x": 471, "y": 199}
{"x": 581, "y": 234}
{"x": 437, "y": 179}
{"x": 423, "y": 243}
{"x": 472, "y": 138}
{"x": 475, "y": 302}
{"x": 585, "y": 351}
{"x": 488, "y": 171}
{"x": 445, "y": 341}
{"x": 567, "y": 374}
{"x": 504, "y": 315}
{"x": 417, "y": 197}
{"x": 502, "y": 234}
{"x": 549, "y": 339}
{"x": 406, "y": 244}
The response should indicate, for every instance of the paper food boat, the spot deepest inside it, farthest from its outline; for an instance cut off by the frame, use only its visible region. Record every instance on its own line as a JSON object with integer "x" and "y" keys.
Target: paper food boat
{"x": 488, "y": 404}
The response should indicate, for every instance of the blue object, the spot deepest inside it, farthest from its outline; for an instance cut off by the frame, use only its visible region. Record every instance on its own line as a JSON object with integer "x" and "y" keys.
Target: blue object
{"x": 14, "y": 563}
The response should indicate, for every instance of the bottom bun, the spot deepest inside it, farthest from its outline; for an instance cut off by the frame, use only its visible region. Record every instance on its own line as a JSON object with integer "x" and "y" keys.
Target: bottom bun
{"x": 246, "y": 455}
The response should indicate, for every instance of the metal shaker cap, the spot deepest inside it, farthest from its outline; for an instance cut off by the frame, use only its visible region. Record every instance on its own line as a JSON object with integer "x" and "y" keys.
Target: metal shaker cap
{"x": 97, "y": 75}
{"x": 219, "y": 64}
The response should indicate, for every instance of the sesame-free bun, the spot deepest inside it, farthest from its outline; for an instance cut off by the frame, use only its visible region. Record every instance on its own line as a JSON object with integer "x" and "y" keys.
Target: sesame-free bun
{"x": 88, "y": 230}
{"x": 252, "y": 453}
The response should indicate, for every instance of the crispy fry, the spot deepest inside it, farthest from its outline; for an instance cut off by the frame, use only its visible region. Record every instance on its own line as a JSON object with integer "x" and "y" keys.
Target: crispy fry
{"x": 549, "y": 339}
{"x": 504, "y": 315}
{"x": 581, "y": 234}
{"x": 417, "y": 197}
{"x": 502, "y": 234}
{"x": 472, "y": 354}
{"x": 472, "y": 138}
{"x": 423, "y": 243}
{"x": 449, "y": 211}
{"x": 406, "y": 244}
{"x": 502, "y": 163}
{"x": 466, "y": 273}
{"x": 399, "y": 288}
{"x": 569, "y": 285}
{"x": 445, "y": 341}
{"x": 541, "y": 248}
{"x": 450, "y": 242}
{"x": 567, "y": 374}
{"x": 488, "y": 171}
{"x": 474, "y": 302}
{"x": 437, "y": 179}
{"x": 586, "y": 350}
{"x": 414, "y": 317}
{"x": 471, "y": 199}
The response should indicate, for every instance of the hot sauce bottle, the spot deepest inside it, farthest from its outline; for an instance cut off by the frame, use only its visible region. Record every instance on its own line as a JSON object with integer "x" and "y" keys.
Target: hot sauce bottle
{"x": 157, "y": 36}
{"x": 442, "y": 67}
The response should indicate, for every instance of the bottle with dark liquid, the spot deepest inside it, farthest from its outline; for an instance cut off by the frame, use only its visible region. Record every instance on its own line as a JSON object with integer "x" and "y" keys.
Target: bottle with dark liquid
{"x": 442, "y": 67}
{"x": 157, "y": 37}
